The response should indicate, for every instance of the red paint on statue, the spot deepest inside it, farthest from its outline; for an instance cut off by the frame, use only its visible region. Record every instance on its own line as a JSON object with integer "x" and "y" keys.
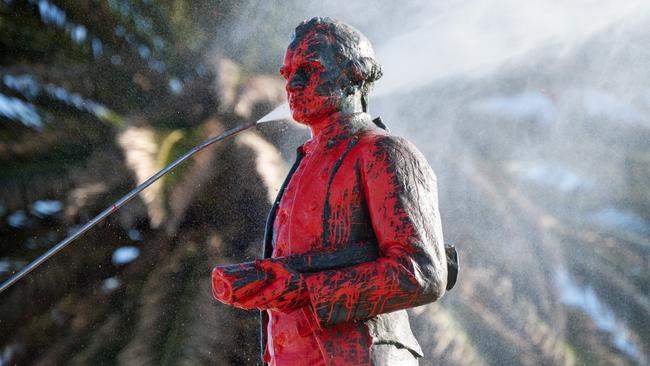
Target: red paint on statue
{"x": 355, "y": 184}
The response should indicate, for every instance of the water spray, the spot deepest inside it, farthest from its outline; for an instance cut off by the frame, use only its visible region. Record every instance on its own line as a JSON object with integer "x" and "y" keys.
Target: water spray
{"x": 281, "y": 112}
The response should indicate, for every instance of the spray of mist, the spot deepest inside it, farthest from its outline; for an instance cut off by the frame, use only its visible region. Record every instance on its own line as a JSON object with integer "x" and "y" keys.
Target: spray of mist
{"x": 474, "y": 37}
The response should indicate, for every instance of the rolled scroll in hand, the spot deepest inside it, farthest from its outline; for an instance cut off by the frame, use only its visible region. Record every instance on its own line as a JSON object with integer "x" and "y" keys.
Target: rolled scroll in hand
{"x": 234, "y": 282}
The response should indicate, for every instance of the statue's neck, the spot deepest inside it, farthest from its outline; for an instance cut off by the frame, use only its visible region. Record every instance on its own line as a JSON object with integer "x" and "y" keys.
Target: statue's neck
{"x": 329, "y": 124}
{"x": 340, "y": 126}
{"x": 350, "y": 107}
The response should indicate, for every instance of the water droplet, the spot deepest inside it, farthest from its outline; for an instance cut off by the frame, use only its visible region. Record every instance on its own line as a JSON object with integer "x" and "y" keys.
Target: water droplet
{"x": 175, "y": 85}
{"x": 124, "y": 255}
{"x": 135, "y": 235}
{"x": 110, "y": 284}
{"x": 79, "y": 34}
{"x": 44, "y": 208}
{"x": 17, "y": 219}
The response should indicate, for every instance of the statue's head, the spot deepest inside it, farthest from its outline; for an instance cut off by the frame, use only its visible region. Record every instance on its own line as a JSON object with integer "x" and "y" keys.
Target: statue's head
{"x": 328, "y": 65}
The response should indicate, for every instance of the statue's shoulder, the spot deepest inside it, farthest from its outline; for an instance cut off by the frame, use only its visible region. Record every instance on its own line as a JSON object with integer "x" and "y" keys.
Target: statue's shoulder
{"x": 377, "y": 140}
{"x": 377, "y": 147}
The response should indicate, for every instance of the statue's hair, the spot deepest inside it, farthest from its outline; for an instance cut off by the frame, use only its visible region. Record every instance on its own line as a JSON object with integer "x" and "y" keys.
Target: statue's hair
{"x": 352, "y": 49}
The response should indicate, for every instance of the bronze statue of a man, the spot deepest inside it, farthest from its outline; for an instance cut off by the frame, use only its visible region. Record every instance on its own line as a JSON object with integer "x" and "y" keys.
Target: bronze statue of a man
{"x": 354, "y": 237}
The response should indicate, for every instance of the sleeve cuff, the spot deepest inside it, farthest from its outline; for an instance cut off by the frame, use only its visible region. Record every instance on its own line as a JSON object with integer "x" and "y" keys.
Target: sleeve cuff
{"x": 312, "y": 283}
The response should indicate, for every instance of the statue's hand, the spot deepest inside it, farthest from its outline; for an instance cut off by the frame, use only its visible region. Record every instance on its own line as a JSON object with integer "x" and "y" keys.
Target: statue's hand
{"x": 284, "y": 291}
{"x": 233, "y": 282}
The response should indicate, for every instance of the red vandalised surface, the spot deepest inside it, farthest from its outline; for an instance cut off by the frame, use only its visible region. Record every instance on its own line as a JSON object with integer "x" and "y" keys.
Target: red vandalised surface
{"x": 354, "y": 237}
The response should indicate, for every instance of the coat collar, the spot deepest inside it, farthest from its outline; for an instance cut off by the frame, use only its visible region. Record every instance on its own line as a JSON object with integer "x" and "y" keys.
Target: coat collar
{"x": 336, "y": 132}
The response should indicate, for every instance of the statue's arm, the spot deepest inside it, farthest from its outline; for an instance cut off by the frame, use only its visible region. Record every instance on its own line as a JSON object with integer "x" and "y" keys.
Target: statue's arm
{"x": 401, "y": 194}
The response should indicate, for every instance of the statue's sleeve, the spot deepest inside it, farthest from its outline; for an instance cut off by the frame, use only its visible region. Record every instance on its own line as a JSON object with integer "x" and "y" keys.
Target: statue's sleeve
{"x": 401, "y": 194}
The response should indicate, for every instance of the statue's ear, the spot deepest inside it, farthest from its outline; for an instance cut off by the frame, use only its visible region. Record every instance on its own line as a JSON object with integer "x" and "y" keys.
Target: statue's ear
{"x": 357, "y": 70}
{"x": 364, "y": 69}
{"x": 356, "y": 75}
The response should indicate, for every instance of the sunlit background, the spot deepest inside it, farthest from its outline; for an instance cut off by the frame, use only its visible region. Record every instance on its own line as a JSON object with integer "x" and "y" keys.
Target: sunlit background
{"x": 535, "y": 116}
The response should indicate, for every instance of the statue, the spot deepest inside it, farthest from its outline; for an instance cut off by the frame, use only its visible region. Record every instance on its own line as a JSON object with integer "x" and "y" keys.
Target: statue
{"x": 354, "y": 237}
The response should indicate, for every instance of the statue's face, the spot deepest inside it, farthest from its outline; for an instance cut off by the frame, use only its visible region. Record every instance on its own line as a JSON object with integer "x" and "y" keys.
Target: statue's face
{"x": 315, "y": 81}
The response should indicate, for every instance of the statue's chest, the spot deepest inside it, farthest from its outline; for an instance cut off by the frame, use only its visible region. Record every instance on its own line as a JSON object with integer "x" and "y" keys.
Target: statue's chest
{"x": 321, "y": 202}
